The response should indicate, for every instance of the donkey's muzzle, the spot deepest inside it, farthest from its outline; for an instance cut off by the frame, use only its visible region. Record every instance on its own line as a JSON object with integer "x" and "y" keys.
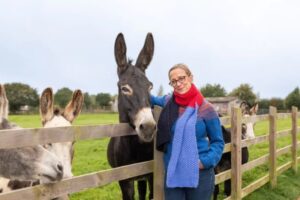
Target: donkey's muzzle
{"x": 147, "y": 131}
{"x": 145, "y": 125}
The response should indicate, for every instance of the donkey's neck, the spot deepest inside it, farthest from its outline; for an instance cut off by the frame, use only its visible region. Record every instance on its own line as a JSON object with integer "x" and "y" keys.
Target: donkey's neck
{"x": 123, "y": 117}
{"x": 10, "y": 163}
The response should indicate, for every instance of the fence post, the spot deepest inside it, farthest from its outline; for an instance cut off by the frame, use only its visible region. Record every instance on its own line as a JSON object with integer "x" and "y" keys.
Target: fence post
{"x": 272, "y": 145}
{"x": 236, "y": 160}
{"x": 158, "y": 171}
{"x": 294, "y": 138}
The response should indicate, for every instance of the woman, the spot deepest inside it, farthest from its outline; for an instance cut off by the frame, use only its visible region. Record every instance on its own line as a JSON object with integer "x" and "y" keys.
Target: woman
{"x": 190, "y": 135}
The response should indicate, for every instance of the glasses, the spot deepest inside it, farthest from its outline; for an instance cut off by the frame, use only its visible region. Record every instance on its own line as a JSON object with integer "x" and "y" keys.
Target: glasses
{"x": 180, "y": 79}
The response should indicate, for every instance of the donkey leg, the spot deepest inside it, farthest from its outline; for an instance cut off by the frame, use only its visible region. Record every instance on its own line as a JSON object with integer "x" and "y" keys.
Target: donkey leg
{"x": 127, "y": 188}
{"x": 227, "y": 187}
{"x": 245, "y": 155}
{"x": 142, "y": 188}
{"x": 150, "y": 184}
{"x": 216, "y": 192}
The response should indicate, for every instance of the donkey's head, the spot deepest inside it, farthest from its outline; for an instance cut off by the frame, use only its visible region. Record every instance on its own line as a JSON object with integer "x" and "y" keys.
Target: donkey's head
{"x": 134, "y": 88}
{"x": 28, "y": 163}
{"x": 248, "y": 128}
{"x": 52, "y": 118}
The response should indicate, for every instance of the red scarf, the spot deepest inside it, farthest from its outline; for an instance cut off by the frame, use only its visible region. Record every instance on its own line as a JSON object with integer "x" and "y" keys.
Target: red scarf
{"x": 190, "y": 98}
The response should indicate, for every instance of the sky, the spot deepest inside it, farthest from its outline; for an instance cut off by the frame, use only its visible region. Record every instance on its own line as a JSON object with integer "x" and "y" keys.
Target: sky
{"x": 70, "y": 43}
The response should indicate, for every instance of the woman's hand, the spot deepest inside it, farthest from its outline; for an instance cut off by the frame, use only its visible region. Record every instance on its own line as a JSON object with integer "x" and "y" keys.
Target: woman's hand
{"x": 201, "y": 165}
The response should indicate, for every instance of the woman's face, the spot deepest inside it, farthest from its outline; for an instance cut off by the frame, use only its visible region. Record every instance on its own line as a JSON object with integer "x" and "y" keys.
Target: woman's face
{"x": 180, "y": 81}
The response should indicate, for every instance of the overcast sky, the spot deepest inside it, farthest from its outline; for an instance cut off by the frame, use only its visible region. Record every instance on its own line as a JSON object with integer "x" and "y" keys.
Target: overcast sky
{"x": 62, "y": 43}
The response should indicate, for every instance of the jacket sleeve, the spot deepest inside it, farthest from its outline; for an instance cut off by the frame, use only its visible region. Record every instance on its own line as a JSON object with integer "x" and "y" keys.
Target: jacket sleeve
{"x": 214, "y": 133}
{"x": 158, "y": 101}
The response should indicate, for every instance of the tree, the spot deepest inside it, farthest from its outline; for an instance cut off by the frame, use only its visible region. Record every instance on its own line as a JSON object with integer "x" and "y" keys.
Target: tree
{"x": 103, "y": 99}
{"x": 215, "y": 90}
{"x": 278, "y": 103}
{"x": 63, "y": 96}
{"x": 293, "y": 99}
{"x": 19, "y": 94}
{"x": 87, "y": 100}
{"x": 93, "y": 101}
{"x": 244, "y": 92}
{"x": 264, "y": 104}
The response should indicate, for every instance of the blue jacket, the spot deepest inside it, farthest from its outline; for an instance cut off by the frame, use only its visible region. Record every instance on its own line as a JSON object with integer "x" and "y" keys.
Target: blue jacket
{"x": 208, "y": 133}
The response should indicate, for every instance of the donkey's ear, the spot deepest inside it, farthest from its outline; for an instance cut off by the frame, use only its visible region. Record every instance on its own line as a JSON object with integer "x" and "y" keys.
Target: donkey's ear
{"x": 254, "y": 109}
{"x": 46, "y": 105}
{"x": 3, "y": 103}
{"x": 73, "y": 108}
{"x": 120, "y": 53}
{"x": 244, "y": 107}
{"x": 146, "y": 53}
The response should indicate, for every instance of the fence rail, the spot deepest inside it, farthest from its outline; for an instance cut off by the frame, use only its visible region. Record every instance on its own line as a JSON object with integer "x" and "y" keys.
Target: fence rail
{"x": 78, "y": 183}
{"x": 35, "y": 136}
{"x": 31, "y": 137}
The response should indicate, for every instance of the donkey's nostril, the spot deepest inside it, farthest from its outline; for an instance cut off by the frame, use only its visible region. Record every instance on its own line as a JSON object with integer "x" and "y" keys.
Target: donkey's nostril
{"x": 60, "y": 167}
{"x": 142, "y": 127}
{"x": 154, "y": 128}
{"x": 60, "y": 171}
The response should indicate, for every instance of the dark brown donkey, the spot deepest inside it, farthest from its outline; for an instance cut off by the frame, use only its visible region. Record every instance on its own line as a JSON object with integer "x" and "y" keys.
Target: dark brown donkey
{"x": 134, "y": 108}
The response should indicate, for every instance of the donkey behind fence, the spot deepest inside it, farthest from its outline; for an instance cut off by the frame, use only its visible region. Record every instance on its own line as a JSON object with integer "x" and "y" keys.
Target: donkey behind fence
{"x": 28, "y": 163}
{"x": 53, "y": 118}
{"x": 247, "y": 133}
{"x": 134, "y": 108}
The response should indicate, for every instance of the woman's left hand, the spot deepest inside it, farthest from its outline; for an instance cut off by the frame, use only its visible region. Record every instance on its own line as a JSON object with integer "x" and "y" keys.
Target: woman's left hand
{"x": 201, "y": 165}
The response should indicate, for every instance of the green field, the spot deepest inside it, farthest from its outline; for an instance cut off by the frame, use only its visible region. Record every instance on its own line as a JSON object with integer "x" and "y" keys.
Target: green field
{"x": 90, "y": 156}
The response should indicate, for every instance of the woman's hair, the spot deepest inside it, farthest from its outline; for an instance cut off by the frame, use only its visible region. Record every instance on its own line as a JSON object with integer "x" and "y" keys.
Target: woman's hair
{"x": 181, "y": 66}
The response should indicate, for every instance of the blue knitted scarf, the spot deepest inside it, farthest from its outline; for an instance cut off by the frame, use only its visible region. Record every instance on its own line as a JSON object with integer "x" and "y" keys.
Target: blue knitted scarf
{"x": 183, "y": 167}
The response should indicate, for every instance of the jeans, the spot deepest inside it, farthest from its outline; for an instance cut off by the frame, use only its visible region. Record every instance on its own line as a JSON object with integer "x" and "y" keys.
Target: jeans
{"x": 204, "y": 190}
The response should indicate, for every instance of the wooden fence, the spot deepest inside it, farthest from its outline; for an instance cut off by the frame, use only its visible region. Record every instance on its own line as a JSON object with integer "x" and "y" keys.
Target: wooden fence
{"x": 30, "y": 137}
{"x": 237, "y": 192}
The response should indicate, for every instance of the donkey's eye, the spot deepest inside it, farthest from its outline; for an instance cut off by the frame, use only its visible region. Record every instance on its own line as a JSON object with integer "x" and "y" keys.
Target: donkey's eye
{"x": 126, "y": 89}
{"x": 244, "y": 126}
{"x": 48, "y": 145}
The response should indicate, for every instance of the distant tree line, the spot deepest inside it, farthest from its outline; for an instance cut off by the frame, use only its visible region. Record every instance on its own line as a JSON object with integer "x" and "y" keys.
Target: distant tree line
{"x": 20, "y": 94}
{"x": 245, "y": 92}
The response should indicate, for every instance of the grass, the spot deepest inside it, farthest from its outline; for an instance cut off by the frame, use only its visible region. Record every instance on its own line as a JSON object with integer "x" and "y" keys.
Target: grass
{"x": 34, "y": 121}
{"x": 287, "y": 188}
{"x": 90, "y": 156}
